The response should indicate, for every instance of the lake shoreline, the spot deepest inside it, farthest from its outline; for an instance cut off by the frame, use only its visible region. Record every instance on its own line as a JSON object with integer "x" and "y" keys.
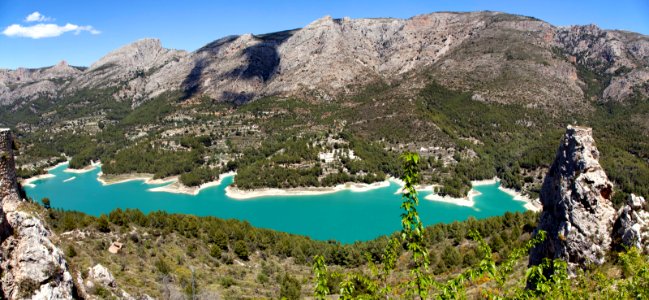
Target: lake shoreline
{"x": 530, "y": 204}
{"x": 178, "y": 188}
{"x": 239, "y": 194}
{"x": 485, "y": 182}
{"x": 93, "y": 165}
{"x": 469, "y": 200}
{"x": 175, "y": 187}
{"x": 30, "y": 181}
{"x": 57, "y": 165}
{"x": 105, "y": 179}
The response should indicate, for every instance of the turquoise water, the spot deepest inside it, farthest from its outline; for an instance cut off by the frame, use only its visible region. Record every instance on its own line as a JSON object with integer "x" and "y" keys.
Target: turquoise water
{"x": 345, "y": 216}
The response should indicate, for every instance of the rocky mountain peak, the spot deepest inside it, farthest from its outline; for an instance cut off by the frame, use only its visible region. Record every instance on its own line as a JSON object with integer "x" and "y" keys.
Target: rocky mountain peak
{"x": 60, "y": 70}
{"x": 577, "y": 212}
{"x": 324, "y": 21}
{"x": 138, "y": 53}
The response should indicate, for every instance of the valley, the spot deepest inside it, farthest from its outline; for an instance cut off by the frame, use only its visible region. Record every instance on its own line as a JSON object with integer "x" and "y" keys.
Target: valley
{"x": 446, "y": 155}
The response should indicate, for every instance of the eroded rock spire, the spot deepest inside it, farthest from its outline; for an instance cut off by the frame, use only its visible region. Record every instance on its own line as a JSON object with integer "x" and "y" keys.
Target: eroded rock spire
{"x": 577, "y": 211}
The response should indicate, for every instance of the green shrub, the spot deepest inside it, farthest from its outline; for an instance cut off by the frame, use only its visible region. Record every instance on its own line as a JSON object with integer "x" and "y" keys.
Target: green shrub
{"x": 227, "y": 281}
{"x": 290, "y": 287}
{"x": 241, "y": 249}
{"x": 102, "y": 224}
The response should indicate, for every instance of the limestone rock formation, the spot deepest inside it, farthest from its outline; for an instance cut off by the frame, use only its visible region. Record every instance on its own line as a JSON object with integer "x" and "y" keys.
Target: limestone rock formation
{"x": 577, "y": 212}
{"x": 622, "y": 55}
{"x": 128, "y": 69}
{"x": 8, "y": 184}
{"x": 30, "y": 84}
{"x": 631, "y": 227}
{"x": 100, "y": 277}
{"x": 100, "y": 274}
{"x": 31, "y": 266}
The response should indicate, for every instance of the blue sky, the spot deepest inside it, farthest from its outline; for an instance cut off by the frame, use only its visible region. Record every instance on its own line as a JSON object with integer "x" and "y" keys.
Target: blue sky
{"x": 81, "y": 32}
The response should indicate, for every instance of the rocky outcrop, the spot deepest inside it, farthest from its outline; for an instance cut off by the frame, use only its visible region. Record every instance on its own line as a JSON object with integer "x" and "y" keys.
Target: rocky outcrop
{"x": 577, "y": 212}
{"x": 128, "y": 70}
{"x": 624, "y": 56}
{"x": 628, "y": 85}
{"x": 8, "y": 184}
{"x": 631, "y": 227}
{"x": 30, "y": 84}
{"x": 31, "y": 266}
{"x": 101, "y": 275}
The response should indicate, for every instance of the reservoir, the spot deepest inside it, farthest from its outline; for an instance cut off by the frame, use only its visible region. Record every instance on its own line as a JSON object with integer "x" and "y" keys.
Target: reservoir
{"x": 345, "y": 216}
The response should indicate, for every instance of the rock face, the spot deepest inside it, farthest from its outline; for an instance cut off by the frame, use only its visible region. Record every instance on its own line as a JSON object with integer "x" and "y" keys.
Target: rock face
{"x": 100, "y": 274}
{"x": 31, "y": 266}
{"x": 631, "y": 227}
{"x": 577, "y": 212}
{"x": 330, "y": 57}
{"x": 8, "y": 184}
{"x": 128, "y": 70}
{"x": 30, "y": 84}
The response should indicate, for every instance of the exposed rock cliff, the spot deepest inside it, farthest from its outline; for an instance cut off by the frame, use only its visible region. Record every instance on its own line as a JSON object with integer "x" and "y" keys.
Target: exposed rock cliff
{"x": 30, "y": 84}
{"x": 31, "y": 266}
{"x": 129, "y": 70}
{"x": 577, "y": 213}
{"x": 8, "y": 184}
{"x": 624, "y": 56}
{"x": 631, "y": 227}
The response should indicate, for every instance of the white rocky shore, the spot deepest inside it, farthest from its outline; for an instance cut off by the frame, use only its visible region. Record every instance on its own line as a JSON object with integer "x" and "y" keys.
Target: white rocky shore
{"x": 240, "y": 194}
{"x": 468, "y": 201}
{"x": 530, "y": 204}
{"x": 146, "y": 178}
{"x": 178, "y": 188}
{"x": 174, "y": 186}
{"x": 30, "y": 181}
{"x": 93, "y": 165}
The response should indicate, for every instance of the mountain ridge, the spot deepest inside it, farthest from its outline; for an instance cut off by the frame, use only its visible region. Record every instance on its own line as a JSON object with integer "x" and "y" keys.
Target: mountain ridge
{"x": 329, "y": 57}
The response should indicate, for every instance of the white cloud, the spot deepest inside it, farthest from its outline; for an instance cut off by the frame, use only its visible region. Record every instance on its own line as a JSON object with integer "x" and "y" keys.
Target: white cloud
{"x": 37, "y": 17}
{"x": 44, "y": 30}
{"x": 39, "y": 31}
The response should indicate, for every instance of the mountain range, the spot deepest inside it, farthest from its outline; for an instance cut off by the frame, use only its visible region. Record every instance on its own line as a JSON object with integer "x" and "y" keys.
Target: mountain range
{"x": 501, "y": 57}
